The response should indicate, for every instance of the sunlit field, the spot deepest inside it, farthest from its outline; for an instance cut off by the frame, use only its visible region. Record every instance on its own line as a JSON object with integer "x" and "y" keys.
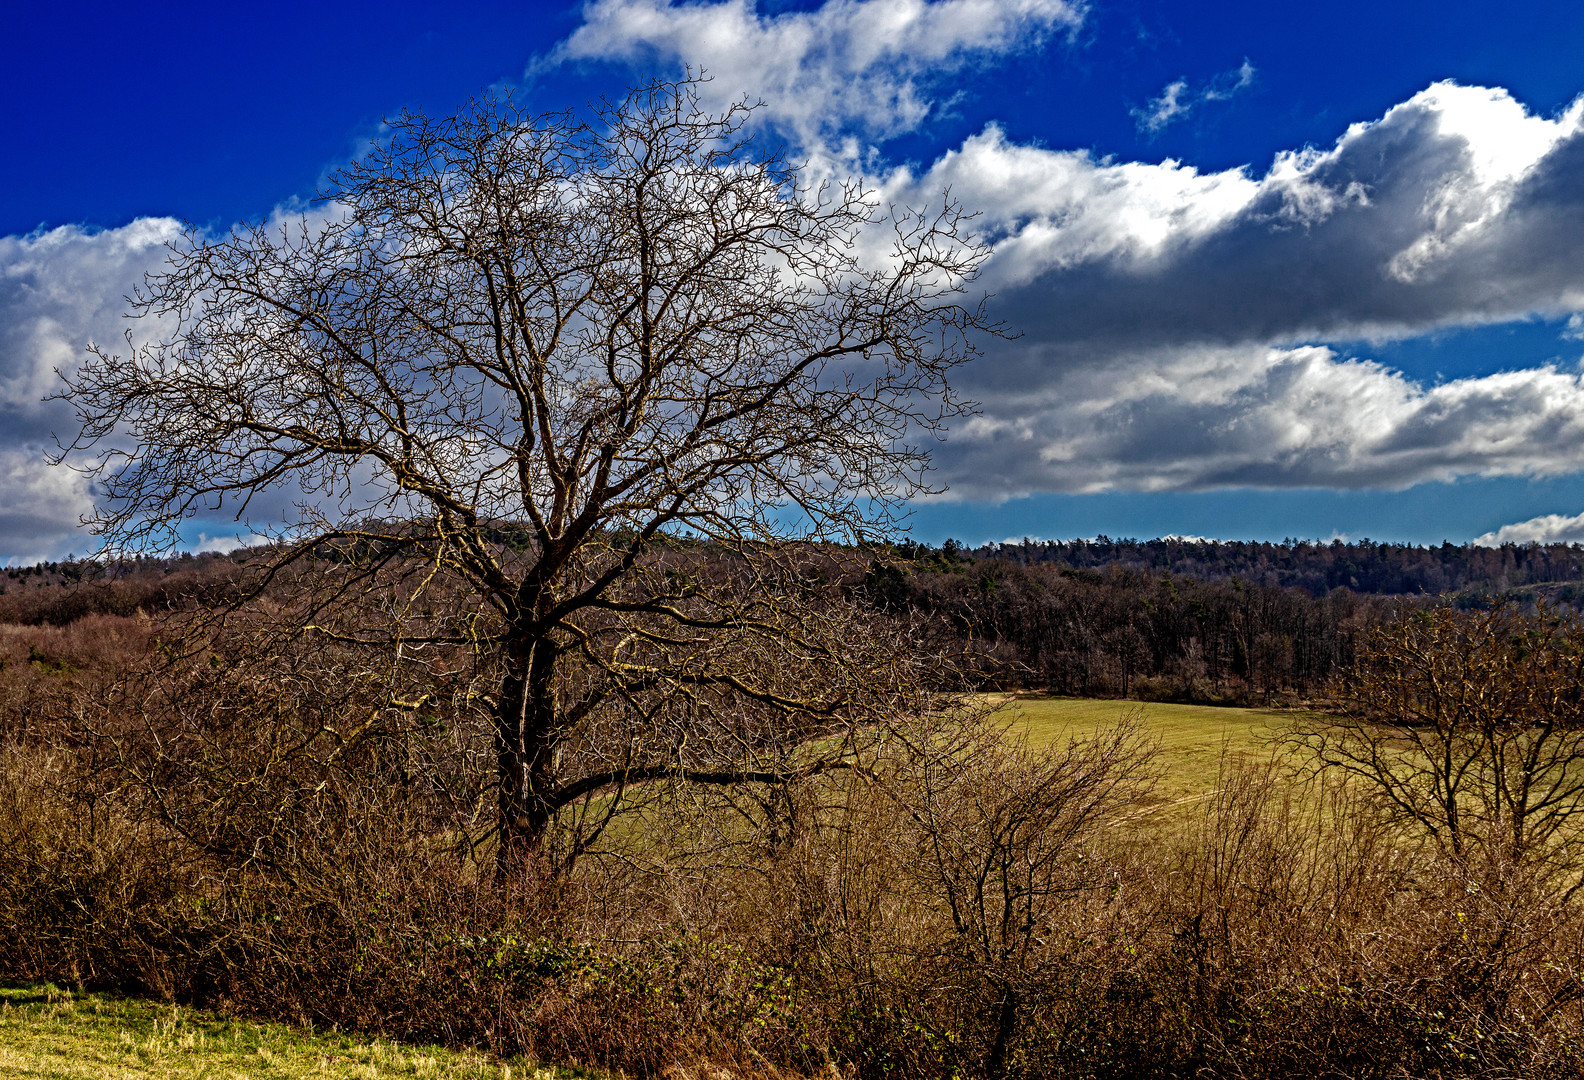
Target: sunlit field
{"x": 1192, "y": 739}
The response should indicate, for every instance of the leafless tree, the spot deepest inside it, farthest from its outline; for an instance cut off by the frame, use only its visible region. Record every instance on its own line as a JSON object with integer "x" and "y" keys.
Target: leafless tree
{"x": 516, "y": 366}
{"x": 1470, "y": 726}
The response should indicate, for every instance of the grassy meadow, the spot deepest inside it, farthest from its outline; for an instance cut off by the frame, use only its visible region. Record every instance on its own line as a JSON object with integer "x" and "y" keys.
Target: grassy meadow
{"x": 1192, "y": 739}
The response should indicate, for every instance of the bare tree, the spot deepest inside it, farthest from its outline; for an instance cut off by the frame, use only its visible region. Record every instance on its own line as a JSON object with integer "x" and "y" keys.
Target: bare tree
{"x": 1470, "y": 726}
{"x": 516, "y": 368}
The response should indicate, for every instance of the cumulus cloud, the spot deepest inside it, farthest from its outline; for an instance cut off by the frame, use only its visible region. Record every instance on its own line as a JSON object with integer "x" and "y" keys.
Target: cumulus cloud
{"x": 1176, "y": 101}
{"x": 1196, "y": 419}
{"x": 1546, "y": 529}
{"x": 224, "y": 545}
{"x": 41, "y": 507}
{"x": 58, "y": 290}
{"x": 1443, "y": 211}
{"x": 871, "y": 67}
{"x": 1174, "y": 321}
{"x": 1163, "y": 309}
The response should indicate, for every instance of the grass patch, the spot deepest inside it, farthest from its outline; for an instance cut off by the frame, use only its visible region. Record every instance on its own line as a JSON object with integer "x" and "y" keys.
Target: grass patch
{"x": 53, "y": 1034}
{"x": 1192, "y": 738}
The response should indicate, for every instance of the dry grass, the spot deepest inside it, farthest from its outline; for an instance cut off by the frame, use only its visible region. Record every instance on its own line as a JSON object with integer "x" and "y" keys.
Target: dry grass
{"x": 1246, "y": 922}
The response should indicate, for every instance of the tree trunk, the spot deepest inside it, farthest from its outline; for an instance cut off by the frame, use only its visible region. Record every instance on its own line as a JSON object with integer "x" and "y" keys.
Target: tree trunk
{"x": 524, "y": 747}
{"x": 1006, "y": 1023}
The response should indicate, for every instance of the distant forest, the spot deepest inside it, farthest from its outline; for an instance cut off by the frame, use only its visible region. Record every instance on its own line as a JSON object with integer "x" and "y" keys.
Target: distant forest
{"x": 1364, "y": 566}
{"x": 1170, "y": 619}
{"x": 1195, "y": 620}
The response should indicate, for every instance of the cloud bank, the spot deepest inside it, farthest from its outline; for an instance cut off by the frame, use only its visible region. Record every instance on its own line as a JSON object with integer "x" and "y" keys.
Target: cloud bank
{"x": 1175, "y": 322}
{"x": 1180, "y": 330}
{"x": 1546, "y": 529}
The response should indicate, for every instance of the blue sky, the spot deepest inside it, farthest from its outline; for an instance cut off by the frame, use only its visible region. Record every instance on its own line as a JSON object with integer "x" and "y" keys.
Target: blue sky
{"x": 1279, "y": 270}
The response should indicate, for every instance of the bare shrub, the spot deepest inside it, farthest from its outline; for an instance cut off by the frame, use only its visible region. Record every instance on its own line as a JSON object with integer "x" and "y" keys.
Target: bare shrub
{"x": 1309, "y": 939}
{"x": 86, "y": 894}
{"x": 1005, "y": 845}
{"x": 942, "y": 921}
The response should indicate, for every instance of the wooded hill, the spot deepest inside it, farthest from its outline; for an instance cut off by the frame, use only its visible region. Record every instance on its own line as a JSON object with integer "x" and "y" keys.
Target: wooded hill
{"x": 1195, "y": 620}
{"x": 1364, "y": 566}
{"x": 1169, "y": 619}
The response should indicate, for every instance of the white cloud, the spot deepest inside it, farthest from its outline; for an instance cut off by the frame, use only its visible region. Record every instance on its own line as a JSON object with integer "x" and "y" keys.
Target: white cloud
{"x": 1227, "y": 84}
{"x": 1425, "y": 197}
{"x": 1546, "y": 529}
{"x": 1173, "y": 320}
{"x": 227, "y": 544}
{"x": 1057, "y": 210}
{"x": 1177, "y": 101}
{"x": 1264, "y": 417}
{"x": 39, "y": 508}
{"x": 58, "y": 290}
{"x": 866, "y": 66}
{"x": 1163, "y": 309}
{"x": 1165, "y": 108}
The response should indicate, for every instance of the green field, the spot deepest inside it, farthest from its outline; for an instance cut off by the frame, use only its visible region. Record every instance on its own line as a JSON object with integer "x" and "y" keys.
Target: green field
{"x": 52, "y": 1034}
{"x": 1192, "y": 739}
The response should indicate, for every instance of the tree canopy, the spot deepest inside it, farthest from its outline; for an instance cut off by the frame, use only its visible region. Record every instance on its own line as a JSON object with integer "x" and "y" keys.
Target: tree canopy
{"x": 508, "y": 367}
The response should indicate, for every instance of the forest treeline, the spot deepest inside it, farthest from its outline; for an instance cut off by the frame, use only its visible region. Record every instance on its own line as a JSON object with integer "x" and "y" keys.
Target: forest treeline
{"x": 1168, "y": 620}
{"x": 1318, "y": 567}
{"x": 1196, "y": 621}
{"x": 60, "y": 593}
{"x": 1124, "y": 632}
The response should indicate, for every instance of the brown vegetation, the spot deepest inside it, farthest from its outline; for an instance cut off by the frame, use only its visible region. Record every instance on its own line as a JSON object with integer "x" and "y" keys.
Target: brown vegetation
{"x": 1317, "y": 567}
{"x": 1124, "y": 632}
{"x": 1469, "y": 726}
{"x": 235, "y": 831}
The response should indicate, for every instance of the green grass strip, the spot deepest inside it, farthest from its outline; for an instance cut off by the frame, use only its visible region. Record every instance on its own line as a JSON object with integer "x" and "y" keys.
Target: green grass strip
{"x": 52, "y": 1034}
